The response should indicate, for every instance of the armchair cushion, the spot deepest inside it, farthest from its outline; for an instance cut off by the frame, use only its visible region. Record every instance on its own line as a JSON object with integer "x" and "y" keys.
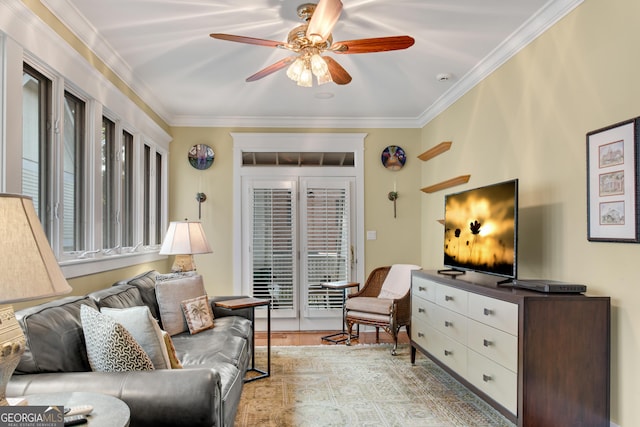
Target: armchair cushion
{"x": 398, "y": 281}
{"x": 369, "y": 305}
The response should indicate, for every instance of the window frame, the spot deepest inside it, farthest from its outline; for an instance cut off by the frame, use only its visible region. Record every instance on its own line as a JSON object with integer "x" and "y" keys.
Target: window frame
{"x": 132, "y": 120}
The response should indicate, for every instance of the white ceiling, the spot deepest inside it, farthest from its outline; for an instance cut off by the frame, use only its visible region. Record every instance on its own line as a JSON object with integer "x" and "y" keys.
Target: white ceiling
{"x": 163, "y": 50}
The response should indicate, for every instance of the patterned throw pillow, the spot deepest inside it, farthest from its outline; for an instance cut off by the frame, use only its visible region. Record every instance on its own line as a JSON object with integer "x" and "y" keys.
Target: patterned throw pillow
{"x": 110, "y": 347}
{"x": 198, "y": 313}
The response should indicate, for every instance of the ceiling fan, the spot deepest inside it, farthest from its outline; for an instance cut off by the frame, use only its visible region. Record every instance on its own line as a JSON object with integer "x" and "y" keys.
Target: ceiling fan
{"x": 312, "y": 40}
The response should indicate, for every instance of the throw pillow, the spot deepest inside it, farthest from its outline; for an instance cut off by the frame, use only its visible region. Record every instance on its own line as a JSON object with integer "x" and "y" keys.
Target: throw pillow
{"x": 110, "y": 347}
{"x": 171, "y": 350}
{"x": 170, "y": 295}
{"x": 198, "y": 313}
{"x": 145, "y": 330}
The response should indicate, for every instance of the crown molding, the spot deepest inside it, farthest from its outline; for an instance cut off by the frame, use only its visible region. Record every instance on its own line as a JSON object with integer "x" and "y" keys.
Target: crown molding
{"x": 535, "y": 26}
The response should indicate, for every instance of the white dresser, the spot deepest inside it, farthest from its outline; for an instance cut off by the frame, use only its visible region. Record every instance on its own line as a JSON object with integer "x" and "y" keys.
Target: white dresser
{"x": 483, "y": 335}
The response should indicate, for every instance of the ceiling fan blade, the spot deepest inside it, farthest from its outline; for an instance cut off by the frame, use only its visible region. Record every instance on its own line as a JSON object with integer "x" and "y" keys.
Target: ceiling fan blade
{"x": 338, "y": 74}
{"x": 271, "y": 69}
{"x": 378, "y": 44}
{"x": 247, "y": 40}
{"x": 323, "y": 19}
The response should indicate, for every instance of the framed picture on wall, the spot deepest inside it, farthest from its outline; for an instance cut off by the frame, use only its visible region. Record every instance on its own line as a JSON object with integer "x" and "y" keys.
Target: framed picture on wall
{"x": 612, "y": 183}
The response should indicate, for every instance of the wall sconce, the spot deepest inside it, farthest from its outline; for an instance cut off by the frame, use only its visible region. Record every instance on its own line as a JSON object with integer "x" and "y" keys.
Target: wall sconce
{"x": 200, "y": 197}
{"x": 393, "y": 196}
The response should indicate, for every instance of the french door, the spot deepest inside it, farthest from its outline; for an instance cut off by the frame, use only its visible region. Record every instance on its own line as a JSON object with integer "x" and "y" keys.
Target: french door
{"x": 298, "y": 233}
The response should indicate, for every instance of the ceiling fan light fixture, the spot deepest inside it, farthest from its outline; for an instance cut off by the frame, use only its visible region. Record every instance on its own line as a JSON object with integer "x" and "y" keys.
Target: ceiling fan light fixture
{"x": 325, "y": 78}
{"x": 306, "y": 78}
{"x": 319, "y": 66}
{"x": 295, "y": 69}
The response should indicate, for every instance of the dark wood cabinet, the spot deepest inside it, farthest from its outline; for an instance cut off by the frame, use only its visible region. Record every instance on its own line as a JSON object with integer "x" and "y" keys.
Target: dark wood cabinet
{"x": 540, "y": 359}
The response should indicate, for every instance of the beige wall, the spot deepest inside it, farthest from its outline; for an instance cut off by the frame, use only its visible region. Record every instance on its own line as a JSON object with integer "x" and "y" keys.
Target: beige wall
{"x": 398, "y": 239}
{"x": 528, "y": 120}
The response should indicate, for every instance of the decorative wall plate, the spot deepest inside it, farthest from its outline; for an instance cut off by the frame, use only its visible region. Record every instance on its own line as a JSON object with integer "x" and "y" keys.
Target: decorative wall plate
{"x": 393, "y": 157}
{"x": 201, "y": 156}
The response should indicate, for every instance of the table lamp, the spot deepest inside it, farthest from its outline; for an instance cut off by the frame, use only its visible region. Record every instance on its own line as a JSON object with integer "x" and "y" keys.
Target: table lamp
{"x": 28, "y": 270}
{"x": 184, "y": 239}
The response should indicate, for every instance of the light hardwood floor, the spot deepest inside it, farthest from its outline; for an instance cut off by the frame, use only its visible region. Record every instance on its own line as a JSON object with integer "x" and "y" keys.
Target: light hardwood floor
{"x": 281, "y": 338}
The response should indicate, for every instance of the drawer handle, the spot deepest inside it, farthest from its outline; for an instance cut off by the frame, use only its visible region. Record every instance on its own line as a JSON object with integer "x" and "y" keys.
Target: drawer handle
{"x": 488, "y": 312}
{"x": 421, "y": 310}
{"x": 420, "y": 335}
{"x": 447, "y": 324}
{"x": 487, "y": 343}
{"x": 486, "y": 378}
{"x": 422, "y": 288}
{"x": 448, "y": 353}
{"x": 448, "y": 298}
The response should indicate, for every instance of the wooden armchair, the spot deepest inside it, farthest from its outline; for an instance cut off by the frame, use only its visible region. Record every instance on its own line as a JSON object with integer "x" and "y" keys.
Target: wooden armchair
{"x": 383, "y": 302}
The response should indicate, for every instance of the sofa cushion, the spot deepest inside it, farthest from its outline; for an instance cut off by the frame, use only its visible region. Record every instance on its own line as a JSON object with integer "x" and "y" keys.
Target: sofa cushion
{"x": 170, "y": 295}
{"x": 146, "y": 284}
{"x": 145, "y": 330}
{"x": 110, "y": 347}
{"x": 54, "y": 336}
{"x": 197, "y": 312}
{"x": 118, "y": 297}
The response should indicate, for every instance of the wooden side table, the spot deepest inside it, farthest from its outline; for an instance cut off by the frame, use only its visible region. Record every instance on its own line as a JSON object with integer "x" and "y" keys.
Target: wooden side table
{"x": 344, "y": 285}
{"x": 250, "y": 302}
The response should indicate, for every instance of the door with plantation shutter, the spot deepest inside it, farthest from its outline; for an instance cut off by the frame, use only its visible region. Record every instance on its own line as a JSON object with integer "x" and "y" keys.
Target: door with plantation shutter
{"x": 326, "y": 255}
{"x": 298, "y": 234}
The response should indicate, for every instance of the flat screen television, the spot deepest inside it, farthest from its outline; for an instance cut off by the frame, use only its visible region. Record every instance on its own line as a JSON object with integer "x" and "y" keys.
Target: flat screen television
{"x": 481, "y": 230}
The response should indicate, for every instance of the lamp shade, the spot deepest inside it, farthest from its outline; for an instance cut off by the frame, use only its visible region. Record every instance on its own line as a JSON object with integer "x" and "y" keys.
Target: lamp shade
{"x": 185, "y": 238}
{"x": 29, "y": 267}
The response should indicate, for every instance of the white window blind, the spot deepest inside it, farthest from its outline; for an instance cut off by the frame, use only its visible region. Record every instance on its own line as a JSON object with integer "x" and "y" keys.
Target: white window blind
{"x": 273, "y": 248}
{"x": 326, "y": 235}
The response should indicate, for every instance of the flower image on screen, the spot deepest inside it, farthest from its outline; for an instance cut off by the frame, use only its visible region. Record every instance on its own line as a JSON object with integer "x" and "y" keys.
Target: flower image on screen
{"x": 481, "y": 229}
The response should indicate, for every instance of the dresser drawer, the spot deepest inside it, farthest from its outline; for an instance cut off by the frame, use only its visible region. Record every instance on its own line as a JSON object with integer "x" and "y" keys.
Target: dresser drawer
{"x": 423, "y": 310}
{"x": 497, "y": 313}
{"x": 449, "y": 351}
{"x": 495, "y": 380}
{"x": 450, "y": 323}
{"x": 420, "y": 332}
{"x": 493, "y": 343}
{"x": 452, "y": 298}
{"x": 423, "y": 288}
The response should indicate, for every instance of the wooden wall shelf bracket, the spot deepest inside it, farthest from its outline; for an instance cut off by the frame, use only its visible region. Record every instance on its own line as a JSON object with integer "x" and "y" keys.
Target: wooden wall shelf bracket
{"x": 434, "y": 151}
{"x": 462, "y": 179}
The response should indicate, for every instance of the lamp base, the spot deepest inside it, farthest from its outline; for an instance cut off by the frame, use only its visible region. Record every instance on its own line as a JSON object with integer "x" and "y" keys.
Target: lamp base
{"x": 12, "y": 345}
{"x": 183, "y": 263}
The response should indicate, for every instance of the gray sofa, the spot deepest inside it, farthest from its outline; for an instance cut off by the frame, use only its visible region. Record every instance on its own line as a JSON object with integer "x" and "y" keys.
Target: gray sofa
{"x": 206, "y": 392}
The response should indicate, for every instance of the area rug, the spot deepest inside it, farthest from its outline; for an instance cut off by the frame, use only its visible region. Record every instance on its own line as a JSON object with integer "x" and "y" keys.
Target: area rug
{"x": 361, "y": 385}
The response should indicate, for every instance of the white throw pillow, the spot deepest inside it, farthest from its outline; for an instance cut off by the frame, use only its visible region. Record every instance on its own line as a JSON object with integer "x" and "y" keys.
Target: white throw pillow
{"x": 198, "y": 313}
{"x": 110, "y": 347}
{"x": 145, "y": 330}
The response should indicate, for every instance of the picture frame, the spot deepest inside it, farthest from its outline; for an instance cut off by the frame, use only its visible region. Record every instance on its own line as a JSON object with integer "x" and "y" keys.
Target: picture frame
{"x": 612, "y": 183}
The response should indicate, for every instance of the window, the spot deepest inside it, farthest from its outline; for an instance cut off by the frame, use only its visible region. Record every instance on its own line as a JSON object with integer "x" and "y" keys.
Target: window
{"x": 128, "y": 191}
{"x": 109, "y": 185}
{"x": 83, "y": 167}
{"x": 73, "y": 176}
{"x": 36, "y": 142}
{"x": 159, "y": 204}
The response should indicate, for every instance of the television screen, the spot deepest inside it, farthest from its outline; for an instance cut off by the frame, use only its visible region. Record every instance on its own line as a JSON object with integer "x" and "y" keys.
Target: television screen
{"x": 480, "y": 229}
